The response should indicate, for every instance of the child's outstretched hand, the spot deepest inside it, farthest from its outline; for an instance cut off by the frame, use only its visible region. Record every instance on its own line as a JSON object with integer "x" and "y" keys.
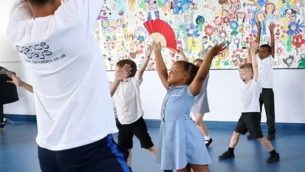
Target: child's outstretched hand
{"x": 122, "y": 73}
{"x": 149, "y": 50}
{"x": 156, "y": 47}
{"x": 217, "y": 49}
{"x": 253, "y": 47}
{"x": 15, "y": 79}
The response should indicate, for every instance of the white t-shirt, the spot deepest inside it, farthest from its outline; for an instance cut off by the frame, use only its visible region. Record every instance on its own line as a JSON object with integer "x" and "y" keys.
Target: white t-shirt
{"x": 128, "y": 101}
{"x": 71, "y": 93}
{"x": 265, "y": 71}
{"x": 250, "y": 93}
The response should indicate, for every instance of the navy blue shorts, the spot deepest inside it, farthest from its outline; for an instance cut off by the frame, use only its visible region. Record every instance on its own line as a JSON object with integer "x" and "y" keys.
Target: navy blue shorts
{"x": 101, "y": 156}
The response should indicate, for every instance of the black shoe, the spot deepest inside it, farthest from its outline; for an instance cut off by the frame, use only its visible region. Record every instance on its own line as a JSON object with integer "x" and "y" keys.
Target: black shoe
{"x": 275, "y": 157}
{"x": 250, "y": 137}
{"x": 2, "y": 125}
{"x": 226, "y": 155}
{"x": 271, "y": 136}
{"x": 208, "y": 142}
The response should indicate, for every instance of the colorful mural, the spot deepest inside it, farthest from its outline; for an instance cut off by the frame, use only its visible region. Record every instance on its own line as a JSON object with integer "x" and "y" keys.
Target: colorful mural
{"x": 199, "y": 24}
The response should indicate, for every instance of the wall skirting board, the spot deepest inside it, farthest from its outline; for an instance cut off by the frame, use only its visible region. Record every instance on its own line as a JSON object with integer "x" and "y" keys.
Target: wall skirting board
{"x": 11, "y": 118}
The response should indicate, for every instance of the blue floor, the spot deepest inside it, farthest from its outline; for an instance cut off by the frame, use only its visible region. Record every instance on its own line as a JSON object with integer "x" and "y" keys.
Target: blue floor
{"x": 18, "y": 151}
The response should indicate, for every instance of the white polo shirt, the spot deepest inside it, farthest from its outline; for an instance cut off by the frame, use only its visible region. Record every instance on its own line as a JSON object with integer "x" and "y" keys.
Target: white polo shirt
{"x": 71, "y": 93}
{"x": 250, "y": 93}
{"x": 128, "y": 101}
{"x": 265, "y": 71}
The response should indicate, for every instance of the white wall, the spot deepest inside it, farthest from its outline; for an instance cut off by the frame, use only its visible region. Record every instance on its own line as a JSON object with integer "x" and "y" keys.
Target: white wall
{"x": 224, "y": 95}
{"x": 223, "y": 92}
{"x": 223, "y": 89}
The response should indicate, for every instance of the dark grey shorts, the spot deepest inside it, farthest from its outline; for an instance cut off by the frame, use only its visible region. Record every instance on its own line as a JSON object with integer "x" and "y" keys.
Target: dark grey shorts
{"x": 250, "y": 121}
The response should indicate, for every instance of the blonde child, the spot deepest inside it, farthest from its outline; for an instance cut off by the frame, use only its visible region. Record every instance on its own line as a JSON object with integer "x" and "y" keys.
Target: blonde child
{"x": 250, "y": 117}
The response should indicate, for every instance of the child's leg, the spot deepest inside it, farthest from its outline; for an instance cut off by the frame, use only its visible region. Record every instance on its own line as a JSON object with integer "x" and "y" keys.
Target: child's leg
{"x": 240, "y": 128}
{"x": 125, "y": 136}
{"x": 234, "y": 139}
{"x": 253, "y": 124}
{"x": 129, "y": 158}
{"x": 266, "y": 143}
{"x": 230, "y": 152}
{"x": 153, "y": 150}
{"x": 268, "y": 99}
{"x": 274, "y": 156}
{"x": 2, "y": 123}
{"x": 139, "y": 128}
{"x": 200, "y": 168}
{"x": 1, "y": 113}
{"x": 187, "y": 168}
{"x": 201, "y": 126}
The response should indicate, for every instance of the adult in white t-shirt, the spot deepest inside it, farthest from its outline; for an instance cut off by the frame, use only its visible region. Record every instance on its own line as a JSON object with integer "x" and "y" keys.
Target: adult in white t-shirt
{"x": 55, "y": 41}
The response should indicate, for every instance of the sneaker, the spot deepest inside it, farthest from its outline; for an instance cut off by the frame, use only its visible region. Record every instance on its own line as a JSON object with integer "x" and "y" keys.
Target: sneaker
{"x": 208, "y": 142}
{"x": 250, "y": 137}
{"x": 226, "y": 155}
{"x": 271, "y": 136}
{"x": 273, "y": 158}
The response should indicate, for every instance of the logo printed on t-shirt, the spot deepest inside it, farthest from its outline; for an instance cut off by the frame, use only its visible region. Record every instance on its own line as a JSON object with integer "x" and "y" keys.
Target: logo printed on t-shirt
{"x": 38, "y": 53}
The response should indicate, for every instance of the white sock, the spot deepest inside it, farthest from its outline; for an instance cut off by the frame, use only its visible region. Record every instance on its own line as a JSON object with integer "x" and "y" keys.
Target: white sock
{"x": 207, "y": 138}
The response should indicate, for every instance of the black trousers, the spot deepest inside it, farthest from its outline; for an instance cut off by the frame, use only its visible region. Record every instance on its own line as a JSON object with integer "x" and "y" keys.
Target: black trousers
{"x": 1, "y": 113}
{"x": 267, "y": 99}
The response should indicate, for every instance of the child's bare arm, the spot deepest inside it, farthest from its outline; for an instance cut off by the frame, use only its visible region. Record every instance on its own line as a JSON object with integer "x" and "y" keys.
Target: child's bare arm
{"x": 145, "y": 63}
{"x": 161, "y": 67}
{"x": 272, "y": 44}
{"x": 120, "y": 75}
{"x": 259, "y": 28}
{"x": 253, "y": 50}
{"x": 19, "y": 83}
{"x": 204, "y": 68}
{"x": 182, "y": 55}
{"x": 249, "y": 57}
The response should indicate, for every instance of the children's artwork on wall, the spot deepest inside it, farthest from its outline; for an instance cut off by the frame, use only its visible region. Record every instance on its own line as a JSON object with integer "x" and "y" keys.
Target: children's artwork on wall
{"x": 198, "y": 25}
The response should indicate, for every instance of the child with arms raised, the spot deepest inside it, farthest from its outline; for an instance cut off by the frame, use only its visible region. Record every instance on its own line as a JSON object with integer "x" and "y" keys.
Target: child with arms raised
{"x": 201, "y": 104}
{"x": 181, "y": 145}
{"x": 250, "y": 117}
{"x": 126, "y": 95}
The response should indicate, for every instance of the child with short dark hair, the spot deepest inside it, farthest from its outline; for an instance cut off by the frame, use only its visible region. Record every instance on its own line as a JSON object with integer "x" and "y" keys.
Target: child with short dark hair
{"x": 250, "y": 117}
{"x": 265, "y": 62}
{"x": 181, "y": 145}
{"x": 126, "y": 95}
